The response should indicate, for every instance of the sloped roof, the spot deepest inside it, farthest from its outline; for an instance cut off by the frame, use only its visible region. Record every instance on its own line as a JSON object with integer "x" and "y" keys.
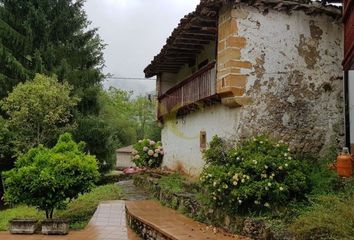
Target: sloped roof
{"x": 200, "y": 27}
{"x": 127, "y": 149}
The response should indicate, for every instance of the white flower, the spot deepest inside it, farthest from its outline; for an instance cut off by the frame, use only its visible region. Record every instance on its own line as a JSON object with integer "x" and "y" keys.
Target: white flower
{"x": 265, "y": 166}
{"x": 261, "y": 142}
{"x": 289, "y": 158}
{"x": 234, "y": 183}
{"x": 256, "y": 202}
{"x": 152, "y": 143}
{"x": 255, "y": 161}
{"x": 214, "y": 184}
{"x": 156, "y": 155}
{"x": 267, "y": 205}
{"x": 225, "y": 186}
{"x": 280, "y": 167}
{"x": 134, "y": 152}
{"x": 286, "y": 165}
{"x": 235, "y": 176}
{"x": 243, "y": 180}
{"x": 248, "y": 177}
{"x": 157, "y": 150}
{"x": 288, "y": 149}
{"x": 140, "y": 141}
{"x": 267, "y": 188}
{"x": 238, "y": 158}
{"x": 273, "y": 174}
{"x": 281, "y": 188}
{"x": 150, "y": 152}
{"x": 277, "y": 145}
{"x": 269, "y": 184}
{"x": 214, "y": 198}
{"x": 136, "y": 157}
{"x": 209, "y": 175}
{"x": 145, "y": 149}
{"x": 285, "y": 154}
{"x": 239, "y": 201}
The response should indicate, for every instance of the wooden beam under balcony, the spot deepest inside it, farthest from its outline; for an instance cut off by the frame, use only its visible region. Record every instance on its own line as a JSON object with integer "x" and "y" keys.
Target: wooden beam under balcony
{"x": 200, "y": 40}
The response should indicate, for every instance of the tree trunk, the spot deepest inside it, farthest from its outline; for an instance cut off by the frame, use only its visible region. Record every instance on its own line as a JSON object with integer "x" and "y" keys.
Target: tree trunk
{"x": 51, "y": 213}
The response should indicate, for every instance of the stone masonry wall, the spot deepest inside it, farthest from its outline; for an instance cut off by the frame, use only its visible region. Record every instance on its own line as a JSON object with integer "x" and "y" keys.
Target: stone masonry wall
{"x": 286, "y": 69}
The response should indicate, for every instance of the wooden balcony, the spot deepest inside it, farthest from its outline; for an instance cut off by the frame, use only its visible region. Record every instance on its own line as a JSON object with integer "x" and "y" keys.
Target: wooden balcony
{"x": 196, "y": 88}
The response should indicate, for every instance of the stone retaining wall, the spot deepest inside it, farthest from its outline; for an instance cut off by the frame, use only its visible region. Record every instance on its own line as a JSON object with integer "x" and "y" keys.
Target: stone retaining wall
{"x": 188, "y": 204}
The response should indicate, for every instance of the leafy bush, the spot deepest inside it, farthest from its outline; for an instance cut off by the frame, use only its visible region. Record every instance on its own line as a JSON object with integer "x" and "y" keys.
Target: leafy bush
{"x": 329, "y": 217}
{"x": 148, "y": 153}
{"x": 259, "y": 173}
{"x": 80, "y": 210}
{"x": 173, "y": 183}
{"x": 48, "y": 178}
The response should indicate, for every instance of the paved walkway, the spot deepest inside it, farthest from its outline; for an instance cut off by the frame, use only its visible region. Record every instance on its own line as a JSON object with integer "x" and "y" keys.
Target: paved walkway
{"x": 173, "y": 224}
{"x": 108, "y": 223}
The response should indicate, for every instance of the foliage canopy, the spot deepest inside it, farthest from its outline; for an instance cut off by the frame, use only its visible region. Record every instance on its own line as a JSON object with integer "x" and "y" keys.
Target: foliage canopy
{"x": 48, "y": 178}
{"x": 39, "y": 110}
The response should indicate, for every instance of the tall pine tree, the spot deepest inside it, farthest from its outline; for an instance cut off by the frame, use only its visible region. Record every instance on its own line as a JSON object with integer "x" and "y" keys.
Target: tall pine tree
{"x": 50, "y": 37}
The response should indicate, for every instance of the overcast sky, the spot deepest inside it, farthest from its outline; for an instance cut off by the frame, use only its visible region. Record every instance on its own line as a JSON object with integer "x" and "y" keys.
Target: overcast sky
{"x": 134, "y": 31}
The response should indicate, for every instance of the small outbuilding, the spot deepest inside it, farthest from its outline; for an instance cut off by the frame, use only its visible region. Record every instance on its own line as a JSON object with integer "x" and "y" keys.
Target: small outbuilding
{"x": 124, "y": 157}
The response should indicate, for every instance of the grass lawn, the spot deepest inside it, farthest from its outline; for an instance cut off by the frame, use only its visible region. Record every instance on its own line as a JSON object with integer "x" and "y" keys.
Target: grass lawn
{"x": 78, "y": 211}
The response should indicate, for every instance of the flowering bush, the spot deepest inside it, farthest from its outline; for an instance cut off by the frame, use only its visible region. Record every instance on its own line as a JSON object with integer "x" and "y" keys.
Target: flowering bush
{"x": 147, "y": 153}
{"x": 258, "y": 173}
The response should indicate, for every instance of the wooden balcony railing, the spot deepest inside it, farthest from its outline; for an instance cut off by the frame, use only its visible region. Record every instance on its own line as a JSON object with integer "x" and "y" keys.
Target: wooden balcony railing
{"x": 199, "y": 86}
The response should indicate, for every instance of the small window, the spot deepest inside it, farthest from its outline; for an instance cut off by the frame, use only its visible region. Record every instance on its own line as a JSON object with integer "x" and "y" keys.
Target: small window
{"x": 203, "y": 141}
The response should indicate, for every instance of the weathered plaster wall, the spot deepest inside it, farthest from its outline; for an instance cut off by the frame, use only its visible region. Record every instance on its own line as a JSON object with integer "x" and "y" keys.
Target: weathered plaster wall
{"x": 180, "y": 136}
{"x": 295, "y": 83}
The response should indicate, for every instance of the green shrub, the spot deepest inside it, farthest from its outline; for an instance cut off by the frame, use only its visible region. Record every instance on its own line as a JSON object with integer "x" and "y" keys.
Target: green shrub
{"x": 259, "y": 173}
{"x": 148, "y": 153}
{"x": 173, "y": 183}
{"x": 48, "y": 178}
{"x": 329, "y": 217}
{"x": 80, "y": 210}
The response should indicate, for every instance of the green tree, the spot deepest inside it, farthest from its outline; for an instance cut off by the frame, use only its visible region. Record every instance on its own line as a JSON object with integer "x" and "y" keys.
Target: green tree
{"x": 50, "y": 37}
{"x": 39, "y": 110}
{"x": 144, "y": 113}
{"x": 49, "y": 178}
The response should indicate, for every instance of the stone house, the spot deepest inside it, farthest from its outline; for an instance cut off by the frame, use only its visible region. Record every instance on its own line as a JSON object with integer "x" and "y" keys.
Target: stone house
{"x": 242, "y": 68}
{"x": 124, "y": 157}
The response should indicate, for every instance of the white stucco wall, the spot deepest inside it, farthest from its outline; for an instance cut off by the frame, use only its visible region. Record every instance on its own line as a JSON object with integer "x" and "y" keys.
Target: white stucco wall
{"x": 180, "y": 136}
{"x": 124, "y": 160}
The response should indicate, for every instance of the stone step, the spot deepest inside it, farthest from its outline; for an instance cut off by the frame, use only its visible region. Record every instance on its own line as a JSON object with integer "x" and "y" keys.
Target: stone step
{"x": 150, "y": 220}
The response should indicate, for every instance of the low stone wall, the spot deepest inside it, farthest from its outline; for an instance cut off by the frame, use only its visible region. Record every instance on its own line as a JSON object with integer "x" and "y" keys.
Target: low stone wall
{"x": 188, "y": 204}
{"x": 144, "y": 230}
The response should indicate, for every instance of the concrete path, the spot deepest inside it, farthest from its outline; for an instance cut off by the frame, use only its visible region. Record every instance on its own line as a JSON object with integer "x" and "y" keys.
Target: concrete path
{"x": 108, "y": 223}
